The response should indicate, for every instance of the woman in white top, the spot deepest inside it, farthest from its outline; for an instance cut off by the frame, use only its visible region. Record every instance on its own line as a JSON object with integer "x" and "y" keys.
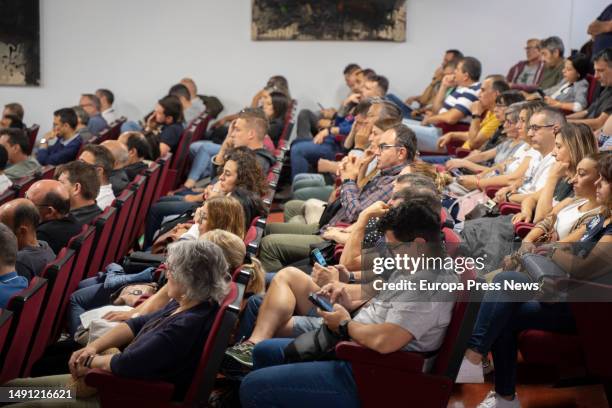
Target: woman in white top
{"x": 573, "y": 142}
{"x": 566, "y": 217}
{"x": 571, "y": 94}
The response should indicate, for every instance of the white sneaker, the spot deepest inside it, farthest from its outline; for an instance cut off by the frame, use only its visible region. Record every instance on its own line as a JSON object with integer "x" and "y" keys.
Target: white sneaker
{"x": 470, "y": 373}
{"x": 492, "y": 400}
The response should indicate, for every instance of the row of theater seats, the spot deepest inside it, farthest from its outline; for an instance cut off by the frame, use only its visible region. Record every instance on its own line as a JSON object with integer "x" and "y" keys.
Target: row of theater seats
{"x": 34, "y": 318}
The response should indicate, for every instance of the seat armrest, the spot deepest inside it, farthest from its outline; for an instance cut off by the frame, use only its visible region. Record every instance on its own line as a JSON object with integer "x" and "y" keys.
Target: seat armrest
{"x": 509, "y": 208}
{"x": 108, "y": 383}
{"x": 490, "y": 191}
{"x": 399, "y": 360}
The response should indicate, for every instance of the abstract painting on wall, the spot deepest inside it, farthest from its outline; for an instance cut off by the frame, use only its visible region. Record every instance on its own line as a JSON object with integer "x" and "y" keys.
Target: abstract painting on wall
{"x": 19, "y": 42}
{"x": 337, "y": 20}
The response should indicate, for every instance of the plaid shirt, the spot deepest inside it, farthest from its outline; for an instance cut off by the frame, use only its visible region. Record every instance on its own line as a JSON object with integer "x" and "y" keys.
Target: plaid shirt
{"x": 355, "y": 201}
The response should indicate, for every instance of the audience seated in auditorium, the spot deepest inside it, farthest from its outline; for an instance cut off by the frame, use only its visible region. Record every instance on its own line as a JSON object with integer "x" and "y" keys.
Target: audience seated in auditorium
{"x": 419, "y": 326}
{"x": 527, "y": 74}
{"x": 503, "y": 316}
{"x": 102, "y": 159}
{"x": 5, "y": 182}
{"x": 66, "y": 141}
{"x": 455, "y": 107}
{"x": 309, "y": 123}
{"x": 601, "y": 107}
{"x": 107, "y": 98}
{"x": 17, "y": 144}
{"x": 118, "y": 176}
{"x": 167, "y": 121}
{"x": 22, "y": 217}
{"x": 484, "y": 122}
{"x": 82, "y": 121}
{"x": 10, "y": 282}
{"x": 165, "y": 345}
{"x": 139, "y": 152}
{"x": 83, "y": 185}
{"x": 190, "y": 111}
{"x": 91, "y": 104}
{"x": 289, "y": 242}
{"x": 274, "y": 106}
{"x": 12, "y": 117}
{"x": 571, "y": 94}
{"x": 241, "y": 169}
{"x": 248, "y": 130}
{"x": 57, "y": 225}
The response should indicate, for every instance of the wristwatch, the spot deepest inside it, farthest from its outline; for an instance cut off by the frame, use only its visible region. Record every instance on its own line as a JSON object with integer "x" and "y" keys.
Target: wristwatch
{"x": 351, "y": 278}
{"x": 43, "y": 141}
{"x": 347, "y": 180}
{"x": 477, "y": 116}
{"x": 344, "y": 330}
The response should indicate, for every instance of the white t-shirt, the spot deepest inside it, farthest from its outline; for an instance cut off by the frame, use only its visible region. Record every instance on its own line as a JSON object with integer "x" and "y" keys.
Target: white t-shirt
{"x": 5, "y": 183}
{"x": 522, "y": 152}
{"x": 105, "y": 196}
{"x": 569, "y": 215}
{"x": 536, "y": 177}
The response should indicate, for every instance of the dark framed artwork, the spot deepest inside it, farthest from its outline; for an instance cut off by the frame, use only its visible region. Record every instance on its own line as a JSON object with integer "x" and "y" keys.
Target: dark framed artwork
{"x": 339, "y": 20}
{"x": 19, "y": 42}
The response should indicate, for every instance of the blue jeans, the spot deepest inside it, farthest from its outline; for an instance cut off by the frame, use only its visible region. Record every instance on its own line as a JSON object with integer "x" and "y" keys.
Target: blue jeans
{"x": 305, "y": 152}
{"x": 427, "y": 136}
{"x": 436, "y": 159}
{"x": 166, "y": 206}
{"x": 406, "y": 110}
{"x": 90, "y": 294}
{"x": 249, "y": 317}
{"x": 501, "y": 319}
{"x": 202, "y": 152}
{"x": 318, "y": 383}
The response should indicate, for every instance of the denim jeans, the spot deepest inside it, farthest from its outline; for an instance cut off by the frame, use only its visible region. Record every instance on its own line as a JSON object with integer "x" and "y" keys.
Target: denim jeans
{"x": 166, "y": 206}
{"x": 318, "y": 383}
{"x": 427, "y": 136}
{"x": 249, "y": 317}
{"x": 202, "y": 152}
{"x": 436, "y": 159}
{"x": 306, "y": 152}
{"x": 501, "y": 319}
{"x": 90, "y": 294}
{"x": 406, "y": 110}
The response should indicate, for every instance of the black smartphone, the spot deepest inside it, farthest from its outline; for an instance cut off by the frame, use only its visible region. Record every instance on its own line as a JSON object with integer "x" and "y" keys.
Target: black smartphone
{"x": 456, "y": 172}
{"x": 319, "y": 257}
{"x": 320, "y": 302}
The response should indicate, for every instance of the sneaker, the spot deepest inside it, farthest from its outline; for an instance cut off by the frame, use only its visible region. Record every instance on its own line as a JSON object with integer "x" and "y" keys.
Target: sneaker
{"x": 242, "y": 352}
{"x": 487, "y": 366}
{"x": 470, "y": 373}
{"x": 492, "y": 400}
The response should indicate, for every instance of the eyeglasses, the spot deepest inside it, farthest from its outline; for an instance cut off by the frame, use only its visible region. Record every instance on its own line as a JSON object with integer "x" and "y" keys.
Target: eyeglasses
{"x": 535, "y": 128}
{"x": 530, "y": 47}
{"x": 384, "y": 146}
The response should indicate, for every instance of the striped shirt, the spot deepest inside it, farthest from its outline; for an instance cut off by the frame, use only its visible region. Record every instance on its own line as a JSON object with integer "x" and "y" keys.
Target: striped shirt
{"x": 461, "y": 99}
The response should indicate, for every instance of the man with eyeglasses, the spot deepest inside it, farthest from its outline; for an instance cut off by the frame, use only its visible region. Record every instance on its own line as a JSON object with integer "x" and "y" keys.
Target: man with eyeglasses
{"x": 542, "y": 128}
{"x": 289, "y": 242}
{"x": 527, "y": 74}
{"x": 22, "y": 217}
{"x": 91, "y": 104}
{"x": 57, "y": 226}
{"x": 66, "y": 140}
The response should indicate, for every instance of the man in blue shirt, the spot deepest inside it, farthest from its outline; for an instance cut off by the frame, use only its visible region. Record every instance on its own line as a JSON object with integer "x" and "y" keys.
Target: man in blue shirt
{"x": 91, "y": 105}
{"x": 67, "y": 143}
{"x": 10, "y": 282}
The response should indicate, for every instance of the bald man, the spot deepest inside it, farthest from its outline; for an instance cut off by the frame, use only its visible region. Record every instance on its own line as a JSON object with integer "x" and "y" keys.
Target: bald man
{"x": 57, "y": 225}
{"x": 118, "y": 177}
{"x": 22, "y": 217}
{"x": 196, "y": 102}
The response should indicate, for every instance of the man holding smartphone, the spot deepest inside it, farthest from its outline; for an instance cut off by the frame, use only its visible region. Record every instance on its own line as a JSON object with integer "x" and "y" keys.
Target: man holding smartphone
{"x": 391, "y": 321}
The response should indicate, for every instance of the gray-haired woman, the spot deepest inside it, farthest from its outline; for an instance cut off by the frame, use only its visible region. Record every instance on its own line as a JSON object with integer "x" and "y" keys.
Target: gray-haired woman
{"x": 164, "y": 345}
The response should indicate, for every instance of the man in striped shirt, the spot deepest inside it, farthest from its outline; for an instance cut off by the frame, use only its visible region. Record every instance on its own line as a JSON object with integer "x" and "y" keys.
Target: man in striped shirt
{"x": 454, "y": 108}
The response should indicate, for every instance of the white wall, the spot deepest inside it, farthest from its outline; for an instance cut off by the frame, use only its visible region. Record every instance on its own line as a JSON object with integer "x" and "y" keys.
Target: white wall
{"x": 139, "y": 48}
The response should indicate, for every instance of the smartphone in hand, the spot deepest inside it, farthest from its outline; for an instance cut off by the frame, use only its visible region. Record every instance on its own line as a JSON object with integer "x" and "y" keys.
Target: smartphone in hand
{"x": 318, "y": 256}
{"x": 320, "y": 302}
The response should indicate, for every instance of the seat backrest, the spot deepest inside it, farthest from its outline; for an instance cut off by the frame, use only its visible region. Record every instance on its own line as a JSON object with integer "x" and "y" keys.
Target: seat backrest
{"x": 32, "y": 133}
{"x": 25, "y": 306}
{"x": 6, "y": 317}
{"x": 153, "y": 174}
{"x": 138, "y": 187}
{"x": 104, "y": 227}
{"x": 592, "y": 85}
{"x": 214, "y": 348}
{"x": 123, "y": 204}
{"x": 459, "y": 330}
{"x": 57, "y": 274}
{"x": 103, "y": 136}
{"x": 200, "y": 127}
{"x": 82, "y": 245}
{"x": 115, "y": 127}
{"x": 47, "y": 172}
{"x": 165, "y": 168}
